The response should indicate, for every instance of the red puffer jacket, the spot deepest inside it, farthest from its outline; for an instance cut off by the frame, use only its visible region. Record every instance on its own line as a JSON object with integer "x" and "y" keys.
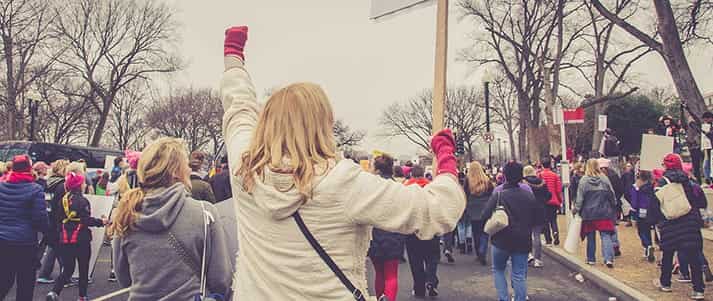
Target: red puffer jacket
{"x": 554, "y": 185}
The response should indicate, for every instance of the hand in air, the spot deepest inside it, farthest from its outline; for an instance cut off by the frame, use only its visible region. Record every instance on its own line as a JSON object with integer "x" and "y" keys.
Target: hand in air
{"x": 235, "y": 39}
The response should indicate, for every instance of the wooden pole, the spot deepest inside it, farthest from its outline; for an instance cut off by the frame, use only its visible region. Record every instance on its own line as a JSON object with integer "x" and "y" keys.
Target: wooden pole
{"x": 439, "y": 85}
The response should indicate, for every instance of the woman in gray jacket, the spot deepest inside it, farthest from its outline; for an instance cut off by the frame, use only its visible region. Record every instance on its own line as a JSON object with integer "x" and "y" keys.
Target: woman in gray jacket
{"x": 160, "y": 239}
{"x": 595, "y": 203}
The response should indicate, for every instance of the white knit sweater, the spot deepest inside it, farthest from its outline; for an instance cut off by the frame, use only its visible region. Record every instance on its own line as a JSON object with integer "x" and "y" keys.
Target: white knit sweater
{"x": 275, "y": 260}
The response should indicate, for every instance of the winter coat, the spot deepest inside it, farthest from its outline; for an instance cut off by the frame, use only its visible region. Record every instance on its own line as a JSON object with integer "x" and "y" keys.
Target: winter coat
{"x": 540, "y": 191}
{"x": 220, "y": 183}
{"x": 524, "y": 213}
{"x": 595, "y": 199}
{"x": 573, "y": 185}
{"x": 160, "y": 258}
{"x": 554, "y": 185}
{"x": 642, "y": 198}
{"x": 685, "y": 231}
{"x": 201, "y": 190}
{"x": 476, "y": 203}
{"x": 276, "y": 262}
{"x": 617, "y": 184}
{"x": 386, "y": 245}
{"x": 55, "y": 190}
{"x": 42, "y": 182}
{"x": 76, "y": 219}
{"x": 627, "y": 180}
{"x": 22, "y": 213}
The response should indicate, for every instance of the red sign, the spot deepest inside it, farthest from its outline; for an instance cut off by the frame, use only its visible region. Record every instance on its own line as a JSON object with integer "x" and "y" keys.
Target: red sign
{"x": 573, "y": 115}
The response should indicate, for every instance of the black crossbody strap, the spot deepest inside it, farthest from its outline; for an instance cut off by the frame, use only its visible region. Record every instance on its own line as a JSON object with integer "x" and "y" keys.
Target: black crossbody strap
{"x": 356, "y": 293}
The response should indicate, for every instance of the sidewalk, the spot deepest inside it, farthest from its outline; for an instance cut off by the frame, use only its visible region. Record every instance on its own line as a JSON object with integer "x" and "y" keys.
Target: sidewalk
{"x": 633, "y": 270}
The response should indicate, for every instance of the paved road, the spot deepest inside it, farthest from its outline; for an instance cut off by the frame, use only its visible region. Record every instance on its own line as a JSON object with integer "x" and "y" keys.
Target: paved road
{"x": 463, "y": 281}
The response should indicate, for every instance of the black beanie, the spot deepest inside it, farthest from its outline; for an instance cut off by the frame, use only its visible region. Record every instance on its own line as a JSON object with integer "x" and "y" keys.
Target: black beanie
{"x": 513, "y": 172}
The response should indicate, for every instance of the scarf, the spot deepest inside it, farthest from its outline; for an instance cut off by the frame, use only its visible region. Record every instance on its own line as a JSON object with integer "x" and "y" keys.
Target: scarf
{"x": 20, "y": 177}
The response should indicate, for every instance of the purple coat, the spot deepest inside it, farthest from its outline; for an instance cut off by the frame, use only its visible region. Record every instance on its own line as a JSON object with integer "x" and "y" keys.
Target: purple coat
{"x": 522, "y": 186}
{"x": 641, "y": 198}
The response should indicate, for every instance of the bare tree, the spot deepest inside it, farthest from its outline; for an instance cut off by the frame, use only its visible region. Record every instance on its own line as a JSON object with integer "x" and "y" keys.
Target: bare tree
{"x": 412, "y": 119}
{"x": 345, "y": 136}
{"x": 113, "y": 43}
{"x": 677, "y": 25}
{"x": 128, "y": 128}
{"x": 63, "y": 113}
{"x": 189, "y": 114}
{"x": 24, "y": 33}
{"x": 504, "y": 107}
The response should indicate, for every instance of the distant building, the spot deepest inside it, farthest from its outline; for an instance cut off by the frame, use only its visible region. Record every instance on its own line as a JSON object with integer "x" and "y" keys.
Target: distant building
{"x": 708, "y": 99}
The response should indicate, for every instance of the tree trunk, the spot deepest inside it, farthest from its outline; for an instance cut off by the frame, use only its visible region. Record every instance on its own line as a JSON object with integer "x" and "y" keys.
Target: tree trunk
{"x": 511, "y": 136}
{"x": 675, "y": 59}
{"x": 524, "y": 111}
{"x": 99, "y": 130}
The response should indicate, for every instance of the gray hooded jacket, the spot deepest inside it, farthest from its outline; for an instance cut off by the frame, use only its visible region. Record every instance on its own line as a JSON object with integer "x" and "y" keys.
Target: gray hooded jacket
{"x": 595, "y": 199}
{"x": 161, "y": 257}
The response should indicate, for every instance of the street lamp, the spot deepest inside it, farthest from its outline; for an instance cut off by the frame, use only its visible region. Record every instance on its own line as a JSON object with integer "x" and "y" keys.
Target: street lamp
{"x": 33, "y": 99}
{"x": 487, "y": 78}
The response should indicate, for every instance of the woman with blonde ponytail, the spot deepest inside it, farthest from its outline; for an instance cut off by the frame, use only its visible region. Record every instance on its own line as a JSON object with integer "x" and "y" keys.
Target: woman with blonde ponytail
{"x": 159, "y": 234}
{"x": 288, "y": 176}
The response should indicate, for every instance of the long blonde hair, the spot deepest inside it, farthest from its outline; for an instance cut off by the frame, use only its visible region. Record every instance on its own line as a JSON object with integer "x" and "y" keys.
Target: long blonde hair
{"x": 59, "y": 168}
{"x": 592, "y": 168}
{"x": 295, "y": 126}
{"x": 478, "y": 181}
{"x": 162, "y": 164}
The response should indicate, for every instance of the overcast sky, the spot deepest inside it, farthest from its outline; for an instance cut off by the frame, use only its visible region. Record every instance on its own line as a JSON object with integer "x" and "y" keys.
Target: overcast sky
{"x": 363, "y": 65}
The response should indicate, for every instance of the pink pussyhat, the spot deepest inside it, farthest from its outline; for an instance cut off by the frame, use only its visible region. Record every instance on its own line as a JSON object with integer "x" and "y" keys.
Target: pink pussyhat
{"x": 73, "y": 181}
{"x": 132, "y": 157}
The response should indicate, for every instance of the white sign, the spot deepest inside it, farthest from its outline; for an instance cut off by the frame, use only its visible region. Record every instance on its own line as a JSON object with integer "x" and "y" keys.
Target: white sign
{"x": 381, "y": 8}
{"x": 100, "y": 205}
{"x": 653, "y": 149}
{"x": 602, "y": 123}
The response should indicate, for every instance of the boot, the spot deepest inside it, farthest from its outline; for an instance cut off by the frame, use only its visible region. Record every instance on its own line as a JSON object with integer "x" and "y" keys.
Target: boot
{"x": 557, "y": 238}
{"x": 469, "y": 246}
{"x": 461, "y": 248}
{"x": 707, "y": 273}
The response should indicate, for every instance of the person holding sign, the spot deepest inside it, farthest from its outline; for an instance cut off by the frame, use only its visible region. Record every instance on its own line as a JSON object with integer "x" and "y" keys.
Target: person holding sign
{"x": 304, "y": 218}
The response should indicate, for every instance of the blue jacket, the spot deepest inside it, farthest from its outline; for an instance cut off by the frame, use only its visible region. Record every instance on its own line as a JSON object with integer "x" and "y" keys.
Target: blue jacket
{"x": 23, "y": 213}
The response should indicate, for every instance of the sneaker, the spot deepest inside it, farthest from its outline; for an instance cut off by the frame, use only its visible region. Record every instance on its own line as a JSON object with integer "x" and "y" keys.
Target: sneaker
{"x": 591, "y": 262}
{"x": 617, "y": 252}
{"x": 610, "y": 264}
{"x": 697, "y": 296}
{"x": 676, "y": 269}
{"x": 538, "y": 264}
{"x": 707, "y": 273}
{"x": 45, "y": 281}
{"x": 557, "y": 239}
{"x": 83, "y": 299}
{"x": 419, "y": 295}
{"x": 526, "y": 298}
{"x": 432, "y": 291}
{"x": 684, "y": 279}
{"x": 52, "y": 296}
{"x": 449, "y": 256}
{"x": 665, "y": 289}
{"x": 650, "y": 256}
{"x": 112, "y": 277}
{"x": 530, "y": 258}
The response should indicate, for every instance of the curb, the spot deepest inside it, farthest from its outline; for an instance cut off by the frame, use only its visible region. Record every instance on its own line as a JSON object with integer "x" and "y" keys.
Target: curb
{"x": 616, "y": 288}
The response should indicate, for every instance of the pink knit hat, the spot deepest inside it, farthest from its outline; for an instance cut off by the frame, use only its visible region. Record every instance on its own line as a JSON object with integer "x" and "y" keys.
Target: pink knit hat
{"x": 132, "y": 157}
{"x": 73, "y": 181}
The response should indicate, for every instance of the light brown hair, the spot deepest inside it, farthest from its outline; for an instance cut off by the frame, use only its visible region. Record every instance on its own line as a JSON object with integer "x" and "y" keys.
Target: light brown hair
{"x": 478, "y": 181}
{"x": 592, "y": 168}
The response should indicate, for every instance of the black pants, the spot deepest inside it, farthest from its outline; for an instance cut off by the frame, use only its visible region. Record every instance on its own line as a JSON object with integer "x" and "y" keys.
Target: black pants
{"x": 76, "y": 254}
{"x": 551, "y": 229}
{"x": 697, "y": 162}
{"x": 17, "y": 266}
{"x": 696, "y": 268}
{"x": 423, "y": 257}
{"x": 449, "y": 239}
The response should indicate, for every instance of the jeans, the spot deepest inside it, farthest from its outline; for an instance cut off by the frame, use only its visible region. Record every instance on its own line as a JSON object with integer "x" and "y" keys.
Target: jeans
{"x": 78, "y": 254}
{"x": 465, "y": 231}
{"x": 423, "y": 257}
{"x": 518, "y": 273}
{"x": 448, "y": 241}
{"x": 17, "y": 266}
{"x": 644, "y": 230}
{"x": 386, "y": 278}
{"x": 537, "y": 241}
{"x": 48, "y": 261}
{"x": 480, "y": 238}
{"x": 551, "y": 229}
{"x": 696, "y": 268}
{"x": 607, "y": 246}
{"x": 685, "y": 263}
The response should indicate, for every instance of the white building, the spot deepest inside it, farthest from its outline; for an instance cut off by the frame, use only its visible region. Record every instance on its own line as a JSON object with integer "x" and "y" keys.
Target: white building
{"x": 708, "y": 99}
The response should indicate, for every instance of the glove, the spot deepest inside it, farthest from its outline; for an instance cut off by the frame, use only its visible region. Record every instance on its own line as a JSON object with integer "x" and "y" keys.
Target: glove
{"x": 235, "y": 38}
{"x": 443, "y": 145}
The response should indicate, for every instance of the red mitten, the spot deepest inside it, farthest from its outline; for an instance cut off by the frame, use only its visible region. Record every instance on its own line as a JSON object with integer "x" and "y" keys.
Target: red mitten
{"x": 443, "y": 144}
{"x": 235, "y": 38}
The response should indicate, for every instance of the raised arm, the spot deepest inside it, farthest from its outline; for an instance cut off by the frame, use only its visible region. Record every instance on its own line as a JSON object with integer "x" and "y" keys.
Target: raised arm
{"x": 238, "y": 97}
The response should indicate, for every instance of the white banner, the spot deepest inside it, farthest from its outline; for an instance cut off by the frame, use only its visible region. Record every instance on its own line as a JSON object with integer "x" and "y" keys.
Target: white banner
{"x": 101, "y": 205}
{"x": 653, "y": 149}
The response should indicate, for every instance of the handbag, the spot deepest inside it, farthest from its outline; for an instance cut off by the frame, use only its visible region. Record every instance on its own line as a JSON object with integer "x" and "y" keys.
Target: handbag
{"x": 356, "y": 293}
{"x": 499, "y": 220}
{"x": 571, "y": 243}
{"x": 674, "y": 202}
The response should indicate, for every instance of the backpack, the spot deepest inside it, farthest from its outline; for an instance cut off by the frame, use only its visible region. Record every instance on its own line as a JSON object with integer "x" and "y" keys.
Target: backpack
{"x": 674, "y": 202}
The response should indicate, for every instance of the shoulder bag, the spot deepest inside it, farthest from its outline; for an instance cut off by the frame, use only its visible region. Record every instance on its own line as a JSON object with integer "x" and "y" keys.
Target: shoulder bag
{"x": 499, "y": 220}
{"x": 674, "y": 202}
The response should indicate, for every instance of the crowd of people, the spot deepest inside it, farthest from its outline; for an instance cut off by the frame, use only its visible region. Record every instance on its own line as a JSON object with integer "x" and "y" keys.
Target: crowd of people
{"x": 308, "y": 220}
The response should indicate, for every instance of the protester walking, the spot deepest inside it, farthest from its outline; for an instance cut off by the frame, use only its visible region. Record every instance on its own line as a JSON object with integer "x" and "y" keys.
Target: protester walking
{"x": 50, "y": 239}
{"x": 514, "y": 242}
{"x": 618, "y": 187}
{"x": 681, "y": 234}
{"x": 642, "y": 195}
{"x": 554, "y": 185}
{"x": 292, "y": 195}
{"x": 478, "y": 190}
{"x": 200, "y": 189}
{"x": 595, "y": 203}
{"x": 165, "y": 242}
{"x": 75, "y": 236}
{"x": 386, "y": 247}
{"x": 542, "y": 196}
{"x": 23, "y": 214}
{"x": 220, "y": 183}
{"x": 423, "y": 255}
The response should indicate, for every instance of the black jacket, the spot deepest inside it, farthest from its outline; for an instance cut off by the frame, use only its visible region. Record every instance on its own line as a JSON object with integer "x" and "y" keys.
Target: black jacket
{"x": 627, "y": 181}
{"x": 221, "y": 186}
{"x": 539, "y": 189}
{"x": 616, "y": 184}
{"x": 685, "y": 231}
{"x": 55, "y": 189}
{"x": 475, "y": 204}
{"x": 524, "y": 214}
{"x": 70, "y": 228}
{"x": 386, "y": 245}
